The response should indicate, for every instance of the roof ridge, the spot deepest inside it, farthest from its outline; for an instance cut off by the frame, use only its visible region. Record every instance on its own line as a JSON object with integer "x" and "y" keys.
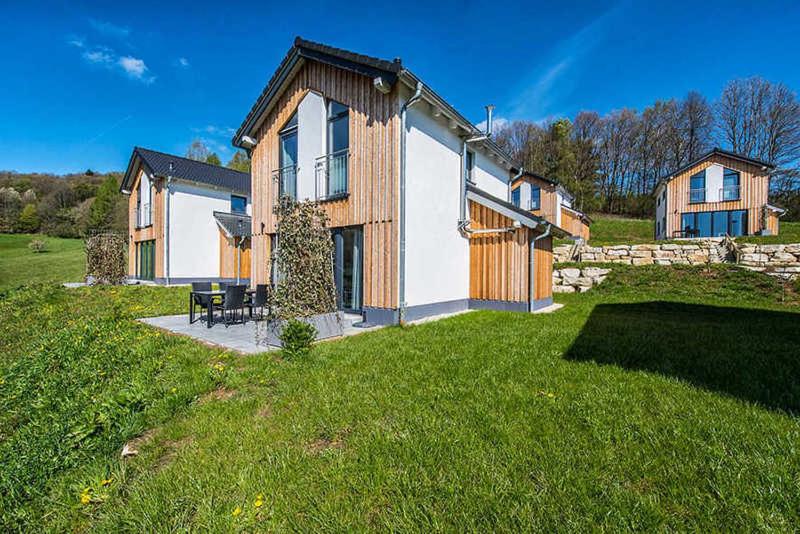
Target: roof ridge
{"x": 192, "y": 160}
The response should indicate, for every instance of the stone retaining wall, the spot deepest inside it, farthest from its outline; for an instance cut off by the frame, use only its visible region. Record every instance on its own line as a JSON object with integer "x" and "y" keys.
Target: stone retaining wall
{"x": 575, "y": 280}
{"x": 694, "y": 253}
{"x": 776, "y": 260}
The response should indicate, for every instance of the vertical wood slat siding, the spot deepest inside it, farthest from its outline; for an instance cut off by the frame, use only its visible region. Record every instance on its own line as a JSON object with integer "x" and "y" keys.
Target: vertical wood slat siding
{"x": 153, "y": 232}
{"x": 228, "y": 258}
{"x": 573, "y": 224}
{"x": 753, "y": 193}
{"x": 373, "y": 173}
{"x": 498, "y": 262}
{"x": 543, "y": 260}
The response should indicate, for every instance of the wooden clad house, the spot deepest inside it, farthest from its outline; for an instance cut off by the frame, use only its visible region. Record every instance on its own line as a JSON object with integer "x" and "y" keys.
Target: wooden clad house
{"x": 551, "y": 201}
{"x": 415, "y": 193}
{"x": 720, "y": 193}
{"x": 188, "y": 221}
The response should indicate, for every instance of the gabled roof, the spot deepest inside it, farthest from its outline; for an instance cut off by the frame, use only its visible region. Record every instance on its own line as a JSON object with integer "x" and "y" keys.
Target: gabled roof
{"x": 162, "y": 164}
{"x": 509, "y": 210}
{"x": 710, "y": 153}
{"x": 234, "y": 224}
{"x": 389, "y": 71}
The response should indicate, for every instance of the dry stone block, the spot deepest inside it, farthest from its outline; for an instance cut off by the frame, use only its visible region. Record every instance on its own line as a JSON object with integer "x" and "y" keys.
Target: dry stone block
{"x": 663, "y": 262}
{"x": 595, "y": 271}
{"x": 642, "y": 261}
{"x": 641, "y": 253}
{"x": 563, "y": 289}
{"x": 584, "y": 281}
{"x": 754, "y": 257}
{"x": 570, "y": 272}
{"x": 617, "y": 252}
{"x": 670, "y": 246}
{"x": 784, "y": 257}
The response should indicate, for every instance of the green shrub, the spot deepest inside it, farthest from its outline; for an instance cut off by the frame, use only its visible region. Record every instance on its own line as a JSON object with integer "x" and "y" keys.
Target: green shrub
{"x": 37, "y": 245}
{"x": 296, "y": 338}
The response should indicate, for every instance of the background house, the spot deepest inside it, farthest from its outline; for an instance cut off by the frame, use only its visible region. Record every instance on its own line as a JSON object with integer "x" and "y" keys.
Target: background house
{"x": 551, "y": 201}
{"x": 189, "y": 220}
{"x": 416, "y": 194}
{"x": 720, "y": 193}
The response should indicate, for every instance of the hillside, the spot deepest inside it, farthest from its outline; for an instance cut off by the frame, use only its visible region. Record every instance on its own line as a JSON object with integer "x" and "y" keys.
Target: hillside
{"x": 609, "y": 414}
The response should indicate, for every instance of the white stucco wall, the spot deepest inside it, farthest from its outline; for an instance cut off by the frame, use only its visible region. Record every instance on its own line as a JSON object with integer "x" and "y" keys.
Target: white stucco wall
{"x": 661, "y": 211}
{"x": 193, "y": 232}
{"x": 490, "y": 176}
{"x": 437, "y": 256}
{"x": 714, "y": 182}
{"x": 311, "y": 122}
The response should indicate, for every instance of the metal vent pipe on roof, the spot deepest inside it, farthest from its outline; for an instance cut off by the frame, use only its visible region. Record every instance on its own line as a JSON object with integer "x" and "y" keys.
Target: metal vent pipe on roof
{"x": 489, "y": 112}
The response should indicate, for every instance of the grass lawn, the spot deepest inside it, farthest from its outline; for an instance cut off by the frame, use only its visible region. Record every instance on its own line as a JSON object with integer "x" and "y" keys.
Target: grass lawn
{"x": 789, "y": 232}
{"x": 666, "y": 398}
{"x": 63, "y": 260}
{"x": 611, "y": 230}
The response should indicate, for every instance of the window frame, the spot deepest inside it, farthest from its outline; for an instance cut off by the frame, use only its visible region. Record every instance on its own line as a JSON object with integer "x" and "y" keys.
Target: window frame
{"x": 469, "y": 166}
{"x": 538, "y": 204}
{"x": 697, "y": 175}
{"x": 726, "y": 173}
{"x": 516, "y": 196}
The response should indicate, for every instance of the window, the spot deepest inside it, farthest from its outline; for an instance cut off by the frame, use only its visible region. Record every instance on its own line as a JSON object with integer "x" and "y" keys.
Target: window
{"x": 730, "y": 185}
{"x": 515, "y": 196}
{"x": 287, "y": 173}
{"x": 697, "y": 188}
{"x": 238, "y": 204}
{"x": 470, "y": 164}
{"x": 714, "y": 223}
{"x": 274, "y": 276}
{"x": 338, "y": 148}
{"x": 536, "y": 198}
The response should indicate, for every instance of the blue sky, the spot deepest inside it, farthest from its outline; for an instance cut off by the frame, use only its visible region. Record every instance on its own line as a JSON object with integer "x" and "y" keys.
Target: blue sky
{"x": 84, "y": 82}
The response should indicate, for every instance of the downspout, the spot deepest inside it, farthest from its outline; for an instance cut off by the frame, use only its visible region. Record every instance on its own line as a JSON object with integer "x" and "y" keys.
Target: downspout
{"x": 532, "y": 268}
{"x": 401, "y": 297}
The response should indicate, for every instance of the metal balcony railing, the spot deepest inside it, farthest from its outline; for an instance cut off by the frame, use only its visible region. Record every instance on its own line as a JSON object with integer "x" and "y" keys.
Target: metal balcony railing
{"x": 729, "y": 192}
{"x": 286, "y": 177}
{"x": 331, "y": 175}
{"x": 144, "y": 215}
{"x": 697, "y": 196}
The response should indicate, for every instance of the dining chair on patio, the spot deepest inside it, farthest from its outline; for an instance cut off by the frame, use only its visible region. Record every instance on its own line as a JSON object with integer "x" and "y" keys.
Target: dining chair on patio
{"x": 234, "y": 301}
{"x": 222, "y": 286}
{"x": 259, "y": 300}
{"x": 204, "y": 301}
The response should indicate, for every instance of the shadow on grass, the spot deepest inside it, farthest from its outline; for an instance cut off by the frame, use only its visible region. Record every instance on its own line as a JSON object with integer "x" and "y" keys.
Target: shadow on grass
{"x": 751, "y": 354}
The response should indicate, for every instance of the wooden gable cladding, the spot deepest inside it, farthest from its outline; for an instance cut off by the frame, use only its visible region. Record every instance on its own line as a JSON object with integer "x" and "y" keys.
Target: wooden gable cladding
{"x": 498, "y": 262}
{"x": 153, "y": 232}
{"x": 753, "y": 193}
{"x": 543, "y": 261}
{"x": 549, "y": 200}
{"x": 373, "y": 173}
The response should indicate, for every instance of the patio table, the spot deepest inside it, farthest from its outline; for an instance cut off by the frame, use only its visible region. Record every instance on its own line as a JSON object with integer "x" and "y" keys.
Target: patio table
{"x": 211, "y": 294}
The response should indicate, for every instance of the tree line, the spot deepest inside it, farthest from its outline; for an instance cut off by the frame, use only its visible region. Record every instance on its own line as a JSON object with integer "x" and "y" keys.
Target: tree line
{"x": 79, "y": 204}
{"x": 612, "y": 163}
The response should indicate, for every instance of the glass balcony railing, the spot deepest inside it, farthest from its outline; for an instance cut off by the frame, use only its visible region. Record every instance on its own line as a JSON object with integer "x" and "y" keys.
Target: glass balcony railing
{"x": 697, "y": 196}
{"x": 331, "y": 175}
{"x": 729, "y": 192}
{"x": 286, "y": 177}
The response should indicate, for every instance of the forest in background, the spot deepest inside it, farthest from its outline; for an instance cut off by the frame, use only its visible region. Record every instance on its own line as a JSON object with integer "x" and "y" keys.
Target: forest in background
{"x": 80, "y": 204}
{"x": 612, "y": 163}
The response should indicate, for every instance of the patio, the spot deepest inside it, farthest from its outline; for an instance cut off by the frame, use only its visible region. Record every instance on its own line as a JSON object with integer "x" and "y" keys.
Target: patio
{"x": 240, "y": 337}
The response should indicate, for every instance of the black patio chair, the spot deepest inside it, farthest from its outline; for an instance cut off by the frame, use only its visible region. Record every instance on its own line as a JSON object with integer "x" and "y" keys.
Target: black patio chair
{"x": 234, "y": 301}
{"x": 204, "y": 301}
{"x": 259, "y": 300}
{"x": 222, "y": 286}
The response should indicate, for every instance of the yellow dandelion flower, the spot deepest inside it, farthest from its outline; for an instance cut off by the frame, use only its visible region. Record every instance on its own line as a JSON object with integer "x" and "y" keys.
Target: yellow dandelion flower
{"x": 259, "y": 501}
{"x": 106, "y": 481}
{"x": 237, "y": 511}
{"x": 173, "y": 390}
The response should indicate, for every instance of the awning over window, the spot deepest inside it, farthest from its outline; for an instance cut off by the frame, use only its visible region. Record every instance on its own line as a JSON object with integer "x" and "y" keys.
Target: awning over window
{"x": 234, "y": 224}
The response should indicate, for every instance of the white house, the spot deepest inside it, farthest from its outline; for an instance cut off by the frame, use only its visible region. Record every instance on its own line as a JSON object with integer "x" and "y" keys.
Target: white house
{"x": 188, "y": 220}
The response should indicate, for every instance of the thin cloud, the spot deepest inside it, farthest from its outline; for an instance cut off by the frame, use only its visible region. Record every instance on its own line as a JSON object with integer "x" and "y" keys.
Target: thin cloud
{"x": 78, "y": 42}
{"x": 498, "y": 123}
{"x": 135, "y": 68}
{"x": 103, "y": 56}
{"x": 222, "y": 131}
{"x": 109, "y": 29}
{"x": 99, "y": 56}
{"x": 551, "y": 80}
{"x": 183, "y": 62}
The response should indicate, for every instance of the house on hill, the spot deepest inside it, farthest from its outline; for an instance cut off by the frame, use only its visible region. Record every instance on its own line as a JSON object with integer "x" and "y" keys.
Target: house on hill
{"x": 551, "y": 201}
{"x": 720, "y": 193}
{"x": 188, "y": 220}
{"x": 417, "y": 196}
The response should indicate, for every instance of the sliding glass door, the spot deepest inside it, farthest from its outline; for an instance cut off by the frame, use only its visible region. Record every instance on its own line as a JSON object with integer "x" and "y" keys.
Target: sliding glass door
{"x": 146, "y": 260}
{"x": 714, "y": 223}
{"x": 347, "y": 262}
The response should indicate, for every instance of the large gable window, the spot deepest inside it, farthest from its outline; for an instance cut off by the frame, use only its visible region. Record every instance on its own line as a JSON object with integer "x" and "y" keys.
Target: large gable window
{"x": 287, "y": 173}
{"x": 333, "y": 167}
{"x": 697, "y": 188}
{"x": 536, "y": 198}
{"x": 730, "y": 185}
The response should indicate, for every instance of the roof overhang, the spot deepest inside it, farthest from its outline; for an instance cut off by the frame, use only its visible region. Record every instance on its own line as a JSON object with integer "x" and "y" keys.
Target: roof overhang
{"x": 129, "y": 179}
{"x": 234, "y": 224}
{"x": 514, "y": 213}
{"x": 579, "y": 213}
{"x": 776, "y": 209}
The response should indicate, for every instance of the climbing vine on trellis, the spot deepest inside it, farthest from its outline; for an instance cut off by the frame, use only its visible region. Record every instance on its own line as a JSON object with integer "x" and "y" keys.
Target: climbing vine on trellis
{"x": 304, "y": 261}
{"x": 105, "y": 258}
